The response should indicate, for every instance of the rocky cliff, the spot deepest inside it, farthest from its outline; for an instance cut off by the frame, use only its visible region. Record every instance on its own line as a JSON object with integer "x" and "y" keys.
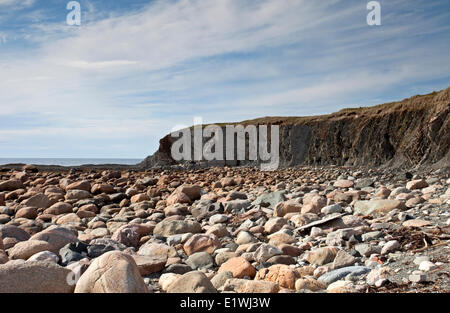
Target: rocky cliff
{"x": 411, "y": 132}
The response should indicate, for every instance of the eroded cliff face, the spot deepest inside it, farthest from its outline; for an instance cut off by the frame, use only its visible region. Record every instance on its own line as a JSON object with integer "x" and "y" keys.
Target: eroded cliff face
{"x": 415, "y": 131}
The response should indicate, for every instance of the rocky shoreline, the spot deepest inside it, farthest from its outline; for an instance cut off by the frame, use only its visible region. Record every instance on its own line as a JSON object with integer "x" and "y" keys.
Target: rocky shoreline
{"x": 300, "y": 229}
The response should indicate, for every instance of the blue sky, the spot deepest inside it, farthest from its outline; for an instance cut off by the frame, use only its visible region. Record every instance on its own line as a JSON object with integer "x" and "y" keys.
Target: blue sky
{"x": 134, "y": 70}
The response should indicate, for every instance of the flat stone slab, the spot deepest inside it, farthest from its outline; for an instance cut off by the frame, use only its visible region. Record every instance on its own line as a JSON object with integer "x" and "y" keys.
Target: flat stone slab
{"x": 320, "y": 222}
{"x": 338, "y": 274}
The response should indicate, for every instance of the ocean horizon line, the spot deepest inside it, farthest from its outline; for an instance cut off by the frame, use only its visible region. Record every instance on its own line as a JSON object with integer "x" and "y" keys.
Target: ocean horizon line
{"x": 70, "y": 161}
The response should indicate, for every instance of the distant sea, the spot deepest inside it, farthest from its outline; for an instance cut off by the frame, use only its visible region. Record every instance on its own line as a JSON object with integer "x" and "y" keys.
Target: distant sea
{"x": 68, "y": 161}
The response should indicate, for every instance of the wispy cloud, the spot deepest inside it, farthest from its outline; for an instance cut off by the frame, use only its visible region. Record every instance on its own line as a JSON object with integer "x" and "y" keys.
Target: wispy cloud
{"x": 16, "y": 3}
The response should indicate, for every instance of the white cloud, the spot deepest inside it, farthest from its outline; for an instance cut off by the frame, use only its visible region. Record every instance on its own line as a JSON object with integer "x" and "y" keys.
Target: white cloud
{"x": 15, "y": 4}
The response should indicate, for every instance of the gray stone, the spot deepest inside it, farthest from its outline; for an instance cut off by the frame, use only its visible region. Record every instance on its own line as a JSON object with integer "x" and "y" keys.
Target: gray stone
{"x": 390, "y": 246}
{"x": 338, "y": 237}
{"x": 220, "y": 278}
{"x": 366, "y": 249}
{"x": 44, "y": 256}
{"x": 200, "y": 260}
{"x": 236, "y": 205}
{"x": 13, "y": 232}
{"x": 270, "y": 200}
{"x": 420, "y": 259}
{"x": 265, "y": 252}
{"x": 100, "y": 246}
{"x": 371, "y": 235}
{"x": 68, "y": 256}
{"x": 338, "y": 274}
{"x": 343, "y": 259}
{"x": 168, "y": 228}
{"x": 330, "y": 209}
{"x": 218, "y": 218}
{"x": 177, "y": 269}
{"x": 364, "y": 182}
{"x": 245, "y": 237}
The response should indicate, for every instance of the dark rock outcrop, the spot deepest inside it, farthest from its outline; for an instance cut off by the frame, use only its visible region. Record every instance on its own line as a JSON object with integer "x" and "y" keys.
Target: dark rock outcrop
{"x": 412, "y": 132}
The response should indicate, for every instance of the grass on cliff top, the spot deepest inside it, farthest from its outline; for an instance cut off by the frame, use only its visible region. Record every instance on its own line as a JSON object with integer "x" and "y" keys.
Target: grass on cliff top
{"x": 415, "y": 103}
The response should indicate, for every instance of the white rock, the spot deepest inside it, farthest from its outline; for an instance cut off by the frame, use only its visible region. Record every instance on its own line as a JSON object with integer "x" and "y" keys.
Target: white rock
{"x": 420, "y": 259}
{"x": 168, "y": 279}
{"x": 417, "y": 278}
{"x": 427, "y": 266}
{"x": 390, "y": 246}
{"x": 44, "y": 256}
